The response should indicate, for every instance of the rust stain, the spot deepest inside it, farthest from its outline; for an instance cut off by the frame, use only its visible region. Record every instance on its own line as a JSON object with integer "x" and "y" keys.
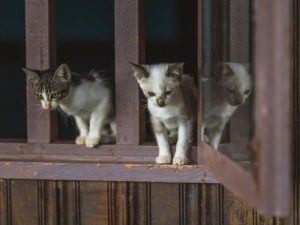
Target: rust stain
{"x": 7, "y": 163}
{"x": 130, "y": 166}
{"x": 35, "y": 173}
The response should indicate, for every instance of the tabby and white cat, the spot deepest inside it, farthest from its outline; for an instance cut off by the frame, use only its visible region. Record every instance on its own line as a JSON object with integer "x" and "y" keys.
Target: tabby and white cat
{"x": 230, "y": 87}
{"x": 171, "y": 97}
{"x": 86, "y": 97}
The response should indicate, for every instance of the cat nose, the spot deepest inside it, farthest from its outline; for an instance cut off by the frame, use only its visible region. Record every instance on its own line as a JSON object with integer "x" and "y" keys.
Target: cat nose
{"x": 46, "y": 105}
{"x": 160, "y": 101}
{"x": 239, "y": 100}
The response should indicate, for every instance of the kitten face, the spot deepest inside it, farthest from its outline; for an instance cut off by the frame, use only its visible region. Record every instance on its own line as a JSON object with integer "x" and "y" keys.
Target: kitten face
{"x": 236, "y": 83}
{"x": 49, "y": 86}
{"x": 159, "y": 82}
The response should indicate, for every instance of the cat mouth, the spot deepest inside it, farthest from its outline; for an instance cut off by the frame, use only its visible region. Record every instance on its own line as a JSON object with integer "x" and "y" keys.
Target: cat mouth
{"x": 50, "y": 108}
{"x": 161, "y": 105}
{"x": 236, "y": 103}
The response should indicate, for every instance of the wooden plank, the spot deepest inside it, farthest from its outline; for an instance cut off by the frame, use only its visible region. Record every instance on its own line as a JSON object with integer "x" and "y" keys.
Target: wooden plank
{"x": 139, "y": 199}
{"x": 106, "y": 172}
{"x": 296, "y": 88}
{"x": 68, "y": 203}
{"x": 118, "y": 203}
{"x": 239, "y": 52}
{"x": 129, "y": 47}
{"x": 273, "y": 58}
{"x": 164, "y": 200}
{"x": 103, "y": 153}
{"x": 235, "y": 210}
{"x": 40, "y": 55}
{"x": 191, "y": 204}
{"x": 4, "y": 203}
{"x": 243, "y": 183}
{"x": 50, "y": 206}
{"x": 24, "y": 202}
{"x": 211, "y": 209}
{"x": 94, "y": 203}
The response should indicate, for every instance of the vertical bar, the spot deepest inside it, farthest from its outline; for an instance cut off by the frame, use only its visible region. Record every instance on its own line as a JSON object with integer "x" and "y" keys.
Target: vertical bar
{"x": 239, "y": 49}
{"x": 129, "y": 47}
{"x": 273, "y": 60}
{"x": 40, "y": 55}
{"x": 200, "y": 157}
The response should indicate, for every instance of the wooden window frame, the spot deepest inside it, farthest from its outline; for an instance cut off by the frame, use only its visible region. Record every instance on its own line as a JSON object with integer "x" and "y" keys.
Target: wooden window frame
{"x": 131, "y": 159}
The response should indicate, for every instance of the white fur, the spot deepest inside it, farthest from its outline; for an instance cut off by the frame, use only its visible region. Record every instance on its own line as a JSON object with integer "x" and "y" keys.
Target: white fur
{"x": 221, "y": 109}
{"x": 176, "y": 116}
{"x": 91, "y": 104}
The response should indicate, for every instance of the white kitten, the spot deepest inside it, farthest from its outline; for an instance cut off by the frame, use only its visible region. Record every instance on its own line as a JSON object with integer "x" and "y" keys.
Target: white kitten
{"x": 230, "y": 87}
{"x": 88, "y": 98}
{"x": 171, "y": 97}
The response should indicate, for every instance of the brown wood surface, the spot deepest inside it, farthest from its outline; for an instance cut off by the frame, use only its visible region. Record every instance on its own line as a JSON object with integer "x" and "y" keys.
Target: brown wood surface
{"x": 40, "y": 55}
{"x": 273, "y": 139}
{"x": 5, "y": 214}
{"x": 106, "y": 172}
{"x": 163, "y": 203}
{"x": 25, "y": 208}
{"x": 129, "y": 47}
{"x": 50, "y": 198}
{"x": 93, "y": 203}
{"x": 104, "y": 153}
{"x": 211, "y": 204}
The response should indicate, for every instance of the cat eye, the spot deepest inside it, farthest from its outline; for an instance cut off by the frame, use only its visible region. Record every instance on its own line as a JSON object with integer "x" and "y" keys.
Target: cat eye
{"x": 168, "y": 92}
{"x": 55, "y": 95}
{"x": 39, "y": 96}
{"x": 247, "y": 92}
{"x": 151, "y": 94}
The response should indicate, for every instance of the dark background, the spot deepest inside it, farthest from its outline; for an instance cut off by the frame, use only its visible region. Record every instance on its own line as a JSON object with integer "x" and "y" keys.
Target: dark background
{"x": 85, "y": 39}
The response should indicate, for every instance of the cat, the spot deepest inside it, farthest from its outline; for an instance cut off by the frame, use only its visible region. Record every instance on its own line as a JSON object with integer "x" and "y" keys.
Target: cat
{"x": 171, "y": 99}
{"x": 88, "y": 98}
{"x": 230, "y": 87}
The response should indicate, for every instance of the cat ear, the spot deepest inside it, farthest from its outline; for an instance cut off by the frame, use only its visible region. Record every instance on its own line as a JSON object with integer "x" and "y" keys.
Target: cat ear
{"x": 32, "y": 76}
{"x": 62, "y": 73}
{"x": 175, "y": 70}
{"x": 139, "y": 71}
{"x": 226, "y": 69}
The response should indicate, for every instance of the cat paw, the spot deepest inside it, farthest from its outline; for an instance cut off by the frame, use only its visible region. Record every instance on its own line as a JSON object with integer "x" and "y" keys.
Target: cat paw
{"x": 180, "y": 160}
{"x": 206, "y": 139}
{"x": 80, "y": 140}
{"x": 163, "y": 159}
{"x": 92, "y": 142}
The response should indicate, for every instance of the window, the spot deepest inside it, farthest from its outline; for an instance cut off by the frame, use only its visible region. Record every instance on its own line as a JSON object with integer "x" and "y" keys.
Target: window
{"x": 43, "y": 156}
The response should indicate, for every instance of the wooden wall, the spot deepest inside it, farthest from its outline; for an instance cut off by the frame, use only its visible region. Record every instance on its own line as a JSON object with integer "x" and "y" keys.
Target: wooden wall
{"x": 99, "y": 203}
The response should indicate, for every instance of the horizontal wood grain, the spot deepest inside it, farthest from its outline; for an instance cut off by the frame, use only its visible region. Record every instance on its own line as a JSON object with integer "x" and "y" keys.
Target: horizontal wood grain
{"x": 64, "y": 152}
{"x": 105, "y": 172}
